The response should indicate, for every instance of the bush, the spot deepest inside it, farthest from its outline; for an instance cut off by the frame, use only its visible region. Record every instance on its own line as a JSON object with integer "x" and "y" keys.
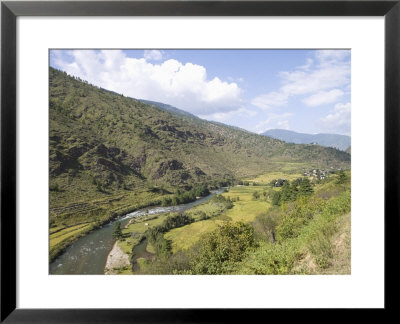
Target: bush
{"x": 342, "y": 178}
{"x": 276, "y": 198}
{"x": 54, "y": 187}
{"x": 276, "y": 259}
{"x": 266, "y": 223}
{"x": 217, "y": 251}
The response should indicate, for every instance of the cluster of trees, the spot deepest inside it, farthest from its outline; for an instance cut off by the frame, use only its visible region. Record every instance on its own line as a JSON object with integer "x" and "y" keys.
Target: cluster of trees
{"x": 174, "y": 221}
{"x": 226, "y": 202}
{"x": 186, "y": 197}
{"x": 277, "y": 182}
{"x": 342, "y": 177}
{"x": 117, "y": 231}
{"x": 155, "y": 235}
{"x": 290, "y": 191}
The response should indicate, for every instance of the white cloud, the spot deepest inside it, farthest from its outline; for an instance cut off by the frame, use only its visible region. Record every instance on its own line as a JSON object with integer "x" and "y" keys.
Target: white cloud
{"x": 226, "y": 117}
{"x": 269, "y": 100}
{"x": 323, "y": 97}
{"x": 182, "y": 85}
{"x": 284, "y": 124}
{"x": 154, "y": 55}
{"x": 322, "y": 78}
{"x": 325, "y": 75}
{"x": 274, "y": 120}
{"x": 339, "y": 119}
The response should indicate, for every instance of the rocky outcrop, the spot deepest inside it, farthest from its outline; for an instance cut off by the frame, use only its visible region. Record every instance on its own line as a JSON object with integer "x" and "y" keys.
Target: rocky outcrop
{"x": 165, "y": 166}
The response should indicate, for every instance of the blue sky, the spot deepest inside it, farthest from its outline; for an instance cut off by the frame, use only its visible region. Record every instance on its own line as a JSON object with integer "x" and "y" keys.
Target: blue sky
{"x": 300, "y": 90}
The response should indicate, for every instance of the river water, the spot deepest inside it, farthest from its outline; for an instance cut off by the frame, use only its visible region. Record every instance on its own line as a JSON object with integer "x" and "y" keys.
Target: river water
{"x": 88, "y": 255}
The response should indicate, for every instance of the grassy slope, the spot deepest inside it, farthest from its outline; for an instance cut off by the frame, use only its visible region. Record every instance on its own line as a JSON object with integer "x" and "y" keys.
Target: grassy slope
{"x": 323, "y": 246}
{"x": 110, "y": 155}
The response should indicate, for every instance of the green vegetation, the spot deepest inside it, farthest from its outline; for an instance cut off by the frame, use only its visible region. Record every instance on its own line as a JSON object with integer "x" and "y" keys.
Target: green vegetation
{"x": 217, "y": 252}
{"x": 186, "y": 197}
{"x": 307, "y": 235}
{"x": 117, "y": 232}
{"x": 291, "y": 191}
{"x": 341, "y": 177}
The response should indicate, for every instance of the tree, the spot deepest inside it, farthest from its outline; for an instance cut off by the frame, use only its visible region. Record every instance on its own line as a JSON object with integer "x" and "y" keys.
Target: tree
{"x": 305, "y": 187}
{"x": 288, "y": 192}
{"x": 267, "y": 222}
{"x": 276, "y": 198}
{"x": 256, "y": 195}
{"x": 117, "y": 231}
{"x": 341, "y": 177}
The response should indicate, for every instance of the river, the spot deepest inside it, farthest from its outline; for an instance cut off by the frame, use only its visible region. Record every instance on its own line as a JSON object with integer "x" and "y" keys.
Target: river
{"x": 88, "y": 255}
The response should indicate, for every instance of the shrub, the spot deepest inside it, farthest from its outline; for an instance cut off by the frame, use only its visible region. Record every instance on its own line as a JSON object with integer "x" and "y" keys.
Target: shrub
{"x": 217, "y": 251}
{"x": 256, "y": 195}
{"x": 54, "y": 187}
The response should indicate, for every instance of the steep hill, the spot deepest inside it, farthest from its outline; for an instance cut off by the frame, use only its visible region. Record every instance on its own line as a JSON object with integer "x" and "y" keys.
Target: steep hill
{"x": 110, "y": 154}
{"x": 341, "y": 142}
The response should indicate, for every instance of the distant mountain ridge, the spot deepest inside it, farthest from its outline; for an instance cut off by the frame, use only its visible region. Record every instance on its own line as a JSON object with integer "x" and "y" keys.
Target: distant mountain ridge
{"x": 341, "y": 142}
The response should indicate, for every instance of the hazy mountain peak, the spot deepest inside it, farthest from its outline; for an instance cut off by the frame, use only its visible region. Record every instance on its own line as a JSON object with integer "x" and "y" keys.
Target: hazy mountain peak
{"x": 341, "y": 142}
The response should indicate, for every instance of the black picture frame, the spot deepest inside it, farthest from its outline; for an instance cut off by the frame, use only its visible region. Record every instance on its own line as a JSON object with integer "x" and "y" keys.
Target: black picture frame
{"x": 10, "y": 10}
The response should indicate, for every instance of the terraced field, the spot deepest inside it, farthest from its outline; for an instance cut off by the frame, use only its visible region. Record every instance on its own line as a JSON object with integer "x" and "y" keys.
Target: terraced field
{"x": 61, "y": 237}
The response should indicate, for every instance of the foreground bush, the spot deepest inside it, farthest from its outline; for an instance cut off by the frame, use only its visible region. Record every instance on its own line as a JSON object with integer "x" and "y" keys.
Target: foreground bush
{"x": 218, "y": 250}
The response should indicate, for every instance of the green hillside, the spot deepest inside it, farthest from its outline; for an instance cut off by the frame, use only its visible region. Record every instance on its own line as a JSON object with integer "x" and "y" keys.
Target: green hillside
{"x": 109, "y": 154}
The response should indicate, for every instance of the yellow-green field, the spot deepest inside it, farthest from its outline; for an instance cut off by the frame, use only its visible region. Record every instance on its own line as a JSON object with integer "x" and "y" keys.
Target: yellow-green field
{"x": 268, "y": 177}
{"x": 184, "y": 237}
{"x": 69, "y": 232}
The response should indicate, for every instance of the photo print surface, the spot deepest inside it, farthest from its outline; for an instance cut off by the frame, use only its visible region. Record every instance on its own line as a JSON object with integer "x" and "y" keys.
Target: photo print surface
{"x": 173, "y": 161}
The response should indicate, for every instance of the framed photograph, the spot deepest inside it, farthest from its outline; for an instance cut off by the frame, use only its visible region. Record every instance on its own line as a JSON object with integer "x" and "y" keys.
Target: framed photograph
{"x": 163, "y": 158}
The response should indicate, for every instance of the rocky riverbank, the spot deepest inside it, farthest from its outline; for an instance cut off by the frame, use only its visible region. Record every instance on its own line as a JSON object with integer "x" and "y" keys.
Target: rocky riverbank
{"x": 116, "y": 259}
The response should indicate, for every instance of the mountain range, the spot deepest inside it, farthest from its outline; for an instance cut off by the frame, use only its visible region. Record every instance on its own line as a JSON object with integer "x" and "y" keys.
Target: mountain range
{"x": 341, "y": 142}
{"x": 106, "y": 149}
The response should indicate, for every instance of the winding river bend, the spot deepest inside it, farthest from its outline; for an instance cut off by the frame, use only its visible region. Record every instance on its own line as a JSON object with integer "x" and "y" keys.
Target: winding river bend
{"x": 88, "y": 255}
